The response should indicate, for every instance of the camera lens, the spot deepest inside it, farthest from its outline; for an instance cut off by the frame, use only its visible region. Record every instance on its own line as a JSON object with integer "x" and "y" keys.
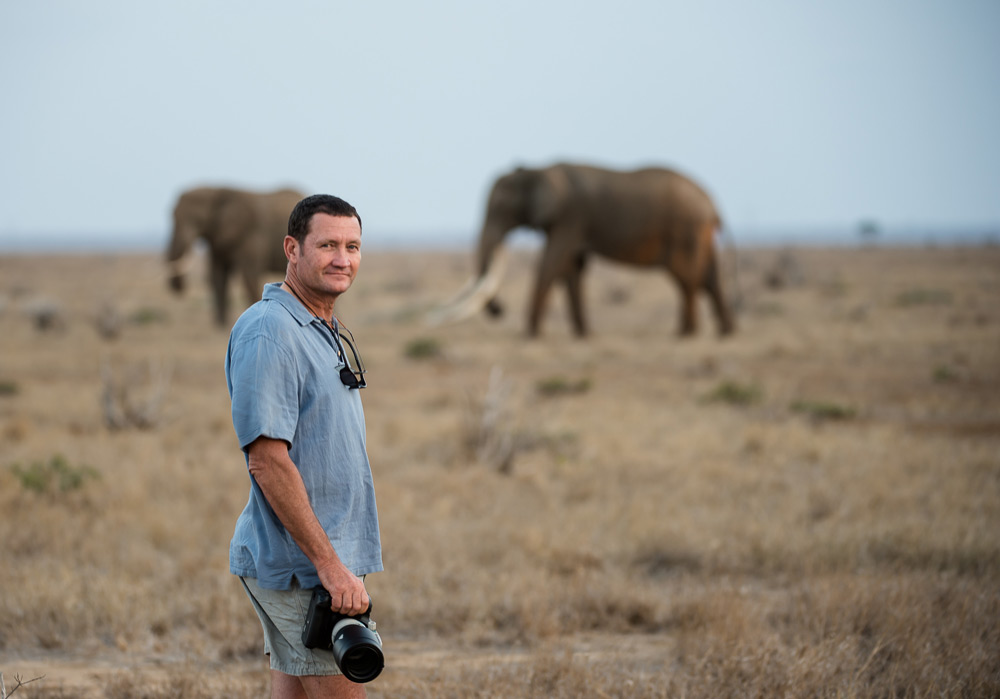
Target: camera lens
{"x": 358, "y": 652}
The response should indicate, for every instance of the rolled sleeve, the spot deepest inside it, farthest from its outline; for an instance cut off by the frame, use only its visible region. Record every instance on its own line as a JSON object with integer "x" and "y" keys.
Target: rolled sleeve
{"x": 264, "y": 386}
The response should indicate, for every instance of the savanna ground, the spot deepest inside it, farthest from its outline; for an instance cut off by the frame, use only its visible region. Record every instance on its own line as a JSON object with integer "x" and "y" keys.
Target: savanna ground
{"x": 808, "y": 508}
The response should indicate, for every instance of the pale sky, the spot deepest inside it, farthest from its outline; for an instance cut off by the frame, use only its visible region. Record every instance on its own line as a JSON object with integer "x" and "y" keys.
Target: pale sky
{"x": 795, "y": 115}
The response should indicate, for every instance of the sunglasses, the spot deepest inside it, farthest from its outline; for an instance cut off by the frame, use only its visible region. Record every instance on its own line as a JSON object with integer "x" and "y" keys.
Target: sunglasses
{"x": 352, "y": 378}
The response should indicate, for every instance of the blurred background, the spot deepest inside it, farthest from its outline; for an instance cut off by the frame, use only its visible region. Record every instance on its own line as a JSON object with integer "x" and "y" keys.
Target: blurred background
{"x": 808, "y": 122}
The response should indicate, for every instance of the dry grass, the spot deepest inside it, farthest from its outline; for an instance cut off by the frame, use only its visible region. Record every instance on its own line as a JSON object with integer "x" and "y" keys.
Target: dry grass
{"x": 810, "y": 508}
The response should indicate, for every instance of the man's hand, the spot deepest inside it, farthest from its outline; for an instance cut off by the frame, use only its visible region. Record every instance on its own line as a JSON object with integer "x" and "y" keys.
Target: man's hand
{"x": 347, "y": 591}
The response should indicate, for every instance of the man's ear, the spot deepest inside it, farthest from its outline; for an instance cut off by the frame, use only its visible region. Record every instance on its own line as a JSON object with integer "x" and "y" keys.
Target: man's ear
{"x": 291, "y": 247}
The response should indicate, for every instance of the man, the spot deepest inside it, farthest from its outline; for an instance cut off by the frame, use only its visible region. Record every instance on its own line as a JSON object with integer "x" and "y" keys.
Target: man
{"x": 311, "y": 518}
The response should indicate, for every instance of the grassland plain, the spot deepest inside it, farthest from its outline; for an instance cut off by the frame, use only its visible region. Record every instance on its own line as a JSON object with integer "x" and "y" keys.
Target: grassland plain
{"x": 808, "y": 508}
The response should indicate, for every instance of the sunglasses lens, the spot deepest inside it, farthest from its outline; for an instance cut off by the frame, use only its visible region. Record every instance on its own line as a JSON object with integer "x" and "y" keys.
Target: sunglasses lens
{"x": 348, "y": 378}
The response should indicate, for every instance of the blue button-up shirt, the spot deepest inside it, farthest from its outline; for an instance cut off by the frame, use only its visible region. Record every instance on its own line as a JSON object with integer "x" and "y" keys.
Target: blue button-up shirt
{"x": 283, "y": 373}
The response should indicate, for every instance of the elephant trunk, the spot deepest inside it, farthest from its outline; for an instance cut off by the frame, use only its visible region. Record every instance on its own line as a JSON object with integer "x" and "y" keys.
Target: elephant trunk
{"x": 177, "y": 278}
{"x": 179, "y": 256}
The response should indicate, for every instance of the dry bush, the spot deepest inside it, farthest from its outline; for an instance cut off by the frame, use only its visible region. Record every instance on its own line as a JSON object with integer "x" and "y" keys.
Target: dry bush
{"x": 134, "y": 398}
{"x": 47, "y": 315}
{"x": 488, "y": 434}
{"x": 108, "y": 320}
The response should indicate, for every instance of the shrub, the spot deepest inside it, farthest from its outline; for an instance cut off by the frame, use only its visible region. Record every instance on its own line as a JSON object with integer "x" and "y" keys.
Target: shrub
{"x": 558, "y": 386}
{"x": 923, "y": 297}
{"x": 819, "y": 410}
{"x": 423, "y": 348}
{"x": 54, "y": 475}
{"x": 9, "y": 388}
{"x": 488, "y": 435}
{"x": 46, "y": 314}
{"x": 148, "y": 316}
{"x": 735, "y": 393}
{"x": 944, "y": 374}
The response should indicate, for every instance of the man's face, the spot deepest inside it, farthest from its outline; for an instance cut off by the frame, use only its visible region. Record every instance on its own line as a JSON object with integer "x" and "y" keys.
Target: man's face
{"x": 328, "y": 259}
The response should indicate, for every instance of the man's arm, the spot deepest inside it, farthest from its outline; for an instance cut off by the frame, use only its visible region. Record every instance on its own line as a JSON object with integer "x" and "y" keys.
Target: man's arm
{"x": 281, "y": 483}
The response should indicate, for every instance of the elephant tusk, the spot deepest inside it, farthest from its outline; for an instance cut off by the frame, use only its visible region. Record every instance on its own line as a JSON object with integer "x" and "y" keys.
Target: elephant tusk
{"x": 474, "y": 296}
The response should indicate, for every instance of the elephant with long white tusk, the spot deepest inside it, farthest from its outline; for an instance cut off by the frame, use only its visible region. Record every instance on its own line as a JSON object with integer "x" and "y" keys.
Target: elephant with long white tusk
{"x": 651, "y": 217}
{"x": 244, "y": 233}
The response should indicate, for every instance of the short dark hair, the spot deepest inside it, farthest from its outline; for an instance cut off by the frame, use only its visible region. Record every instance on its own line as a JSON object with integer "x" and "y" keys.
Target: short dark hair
{"x": 298, "y": 222}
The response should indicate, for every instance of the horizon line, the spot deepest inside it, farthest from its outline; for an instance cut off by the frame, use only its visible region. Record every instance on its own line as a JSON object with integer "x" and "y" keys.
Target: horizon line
{"x": 765, "y": 236}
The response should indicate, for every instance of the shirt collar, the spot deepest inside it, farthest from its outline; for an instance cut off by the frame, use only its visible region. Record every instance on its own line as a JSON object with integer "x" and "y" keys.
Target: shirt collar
{"x": 274, "y": 292}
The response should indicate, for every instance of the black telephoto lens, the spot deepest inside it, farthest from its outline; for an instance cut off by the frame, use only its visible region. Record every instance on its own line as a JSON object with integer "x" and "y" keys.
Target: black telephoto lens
{"x": 358, "y": 653}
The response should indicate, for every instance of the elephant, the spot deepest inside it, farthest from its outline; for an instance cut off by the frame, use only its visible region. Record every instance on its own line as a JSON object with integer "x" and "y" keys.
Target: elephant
{"x": 244, "y": 232}
{"x": 651, "y": 217}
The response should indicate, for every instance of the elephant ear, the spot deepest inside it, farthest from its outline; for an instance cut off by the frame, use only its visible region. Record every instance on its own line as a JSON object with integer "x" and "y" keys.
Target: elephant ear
{"x": 235, "y": 217}
{"x": 194, "y": 217}
{"x": 197, "y": 206}
{"x": 547, "y": 195}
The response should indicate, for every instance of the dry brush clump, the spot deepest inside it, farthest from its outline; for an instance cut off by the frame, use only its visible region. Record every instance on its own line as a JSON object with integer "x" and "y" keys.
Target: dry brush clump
{"x": 47, "y": 315}
{"x": 133, "y": 397}
{"x": 18, "y": 683}
{"x": 488, "y": 433}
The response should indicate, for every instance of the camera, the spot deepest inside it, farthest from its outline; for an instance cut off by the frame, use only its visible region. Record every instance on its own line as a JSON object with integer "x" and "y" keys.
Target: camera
{"x": 356, "y": 646}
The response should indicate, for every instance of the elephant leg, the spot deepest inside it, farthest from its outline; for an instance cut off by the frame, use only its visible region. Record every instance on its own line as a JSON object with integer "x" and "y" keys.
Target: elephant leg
{"x": 538, "y": 299}
{"x": 688, "y": 289}
{"x": 713, "y": 286}
{"x": 219, "y": 278}
{"x": 554, "y": 265}
{"x": 574, "y": 287}
{"x": 689, "y": 311}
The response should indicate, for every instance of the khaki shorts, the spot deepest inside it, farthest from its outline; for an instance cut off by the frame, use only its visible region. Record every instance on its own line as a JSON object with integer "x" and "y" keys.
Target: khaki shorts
{"x": 282, "y": 614}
